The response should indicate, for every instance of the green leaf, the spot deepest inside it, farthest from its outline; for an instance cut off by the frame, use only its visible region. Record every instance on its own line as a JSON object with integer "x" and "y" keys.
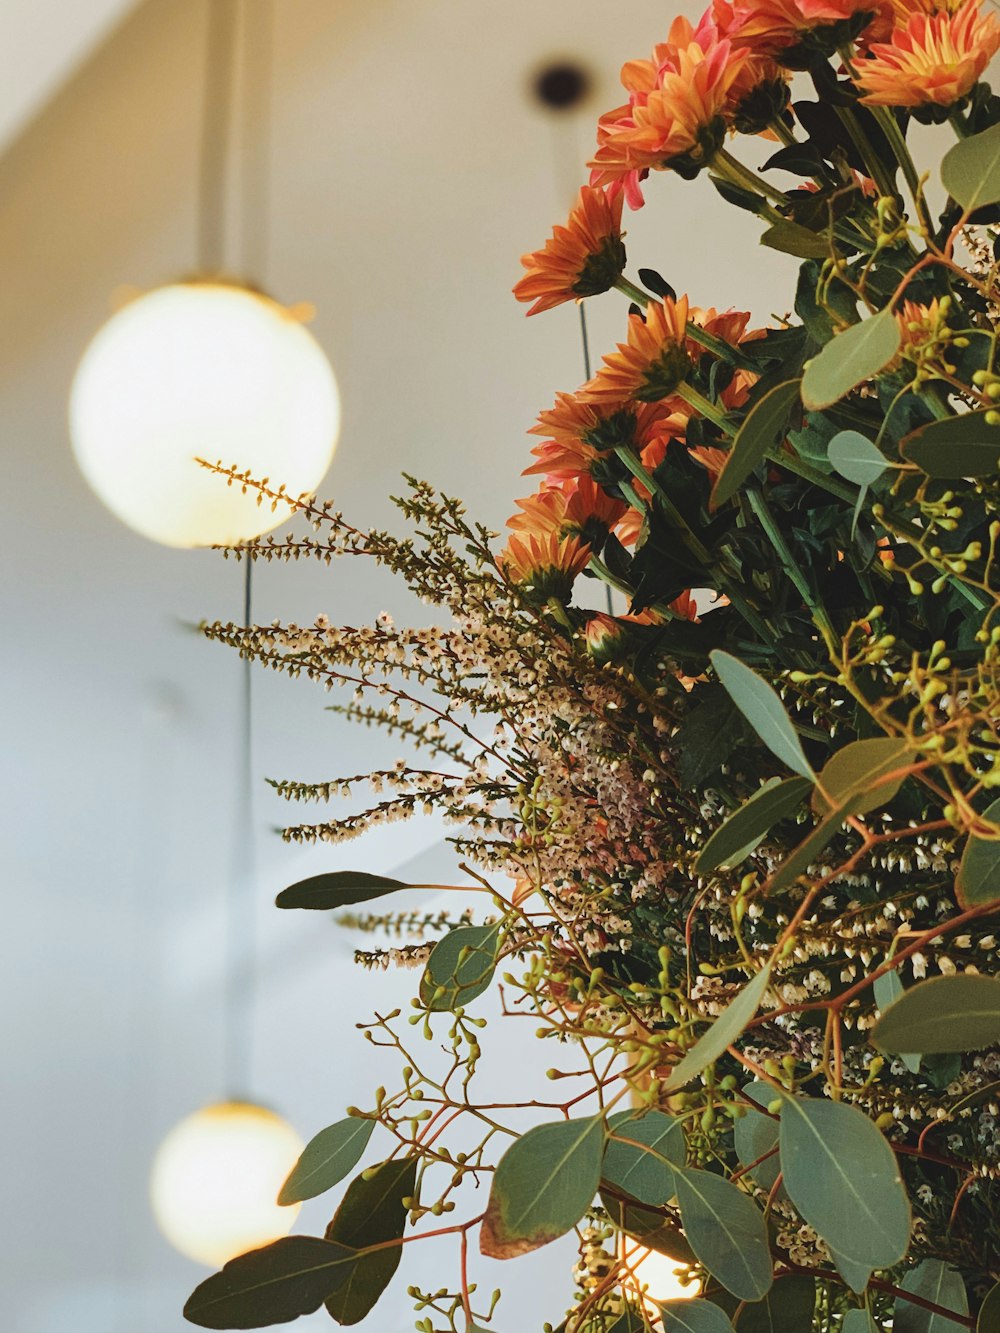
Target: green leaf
{"x": 962, "y": 446}
{"x": 372, "y": 1212}
{"x": 978, "y": 879}
{"x": 693, "y": 1316}
{"x": 755, "y": 1134}
{"x": 747, "y": 826}
{"x": 630, "y": 1322}
{"x": 989, "y": 1312}
{"x": 855, "y": 457}
{"x": 935, "y": 1281}
{"x": 762, "y": 708}
{"x": 791, "y": 238}
{"x": 460, "y": 967}
{"x": 970, "y": 170}
{"x": 856, "y": 1273}
{"x": 723, "y": 1032}
{"x": 787, "y": 1308}
{"x": 764, "y": 426}
{"x": 651, "y": 1228}
{"x": 850, "y": 358}
{"x": 799, "y": 861}
{"x": 641, "y": 1147}
{"x": 858, "y": 1321}
{"x": 956, "y": 1013}
{"x": 853, "y": 777}
{"x": 326, "y": 1159}
{"x": 273, "y": 1285}
{"x": 325, "y": 893}
{"x": 842, "y": 1176}
{"x": 887, "y": 989}
{"x": 543, "y": 1185}
{"x": 727, "y": 1232}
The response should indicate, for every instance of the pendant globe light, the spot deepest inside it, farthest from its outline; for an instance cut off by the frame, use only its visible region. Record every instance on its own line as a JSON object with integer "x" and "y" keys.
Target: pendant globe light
{"x": 206, "y": 368}
{"x": 201, "y": 369}
{"x": 212, "y": 368}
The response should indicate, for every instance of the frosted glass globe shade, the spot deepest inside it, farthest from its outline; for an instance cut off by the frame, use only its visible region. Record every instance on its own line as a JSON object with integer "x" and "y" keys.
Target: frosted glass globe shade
{"x": 216, "y": 1177}
{"x": 202, "y": 370}
{"x": 659, "y": 1274}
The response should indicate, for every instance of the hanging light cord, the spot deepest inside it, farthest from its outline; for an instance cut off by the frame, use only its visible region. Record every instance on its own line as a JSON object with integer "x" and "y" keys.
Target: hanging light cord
{"x": 217, "y": 105}
{"x": 240, "y": 904}
{"x": 227, "y": 22}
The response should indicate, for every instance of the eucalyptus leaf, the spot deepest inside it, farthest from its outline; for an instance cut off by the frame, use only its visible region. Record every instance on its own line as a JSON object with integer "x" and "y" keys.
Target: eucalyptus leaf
{"x": 855, "y": 457}
{"x": 272, "y": 1285}
{"x": 727, "y": 1232}
{"x": 764, "y": 426}
{"x": 642, "y": 1146}
{"x": 842, "y": 1176}
{"x": 978, "y": 879}
{"x": 856, "y": 1273}
{"x": 630, "y": 1322}
{"x": 850, "y": 358}
{"x": 762, "y": 708}
{"x": 970, "y": 170}
{"x": 791, "y": 238}
{"x": 371, "y": 1213}
{"x": 989, "y": 1312}
{"x": 853, "y": 777}
{"x": 937, "y": 1282}
{"x": 887, "y": 989}
{"x": 787, "y": 1308}
{"x": 962, "y": 446}
{"x": 656, "y": 1231}
{"x": 326, "y": 1159}
{"x": 799, "y": 861}
{"x": 723, "y": 1032}
{"x": 325, "y": 893}
{"x": 543, "y": 1185}
{"x": 945, "y": 1014}
{"x": 460, "y": 967}
{"x": 755, "y": 1134}
{"x": 744, "y": 829}
{"x": 857, "y": 1321}
{"x": 694, "y": 1316}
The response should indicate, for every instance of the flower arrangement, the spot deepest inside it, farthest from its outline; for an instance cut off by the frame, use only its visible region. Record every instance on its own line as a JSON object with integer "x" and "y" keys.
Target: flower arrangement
{"x": 737, "y": 836}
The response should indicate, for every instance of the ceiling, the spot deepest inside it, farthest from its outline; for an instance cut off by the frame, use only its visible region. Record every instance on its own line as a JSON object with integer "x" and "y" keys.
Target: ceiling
{"x": 410, "y": 168}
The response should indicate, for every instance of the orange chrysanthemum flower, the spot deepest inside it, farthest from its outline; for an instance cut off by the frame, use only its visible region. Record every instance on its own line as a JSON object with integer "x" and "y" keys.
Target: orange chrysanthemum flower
{"x": 676, "y": 114}
{"x": 584, "y": 258}
{"x": 651, "y": 364}
{"x": 577, "y": 433}
{"x": 934, "y": 60}
{"x": 579, "y": 508}
{"x": 771, "y": 27}
{"x": 545, "y": 565}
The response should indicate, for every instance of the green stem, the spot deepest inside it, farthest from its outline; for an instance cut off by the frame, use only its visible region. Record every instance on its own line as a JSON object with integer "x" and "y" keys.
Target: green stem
{"x": 726, "y": 165}
{"x": 695, "y": 547}
{"x": 671, "y": 511}
{"x": 890, "y": 128}
{"x": 633, "y": 292}
{"x": 707, "y": 408}
{"x": 807, "y": 472}
{"x": 958, "y": 124}
{"x": 791, "y": 568}
{"x": 783, "y": 131}
{"x": 599, "y": 568}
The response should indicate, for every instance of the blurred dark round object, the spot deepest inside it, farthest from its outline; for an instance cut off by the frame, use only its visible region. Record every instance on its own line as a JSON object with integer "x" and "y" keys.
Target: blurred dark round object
{"x": 561, "y": 85}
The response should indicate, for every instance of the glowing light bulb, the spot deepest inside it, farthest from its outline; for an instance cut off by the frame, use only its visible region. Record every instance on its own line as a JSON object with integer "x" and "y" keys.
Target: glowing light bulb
{"x": 202, "y": 370}
{"x": 661, "y": 1276}
{"x": 216, "y": 1177}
